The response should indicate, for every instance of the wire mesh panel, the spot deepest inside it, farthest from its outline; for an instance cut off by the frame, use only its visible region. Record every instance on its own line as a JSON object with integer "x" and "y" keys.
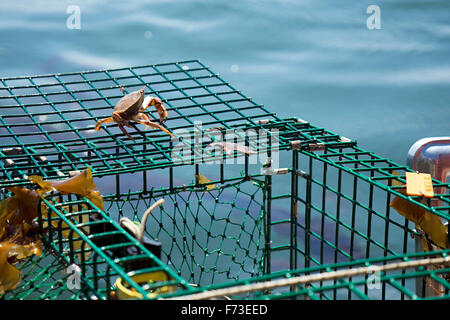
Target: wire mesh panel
{"x": 80, "y": 234}
{"x": 208, "y": 236}
{"x": 49, "y": 120}
{"x": 280, "y": 198}
{"x": 338, "y": 207}
{"x": 392, "y": 278}
{"x": 46, "y": 278}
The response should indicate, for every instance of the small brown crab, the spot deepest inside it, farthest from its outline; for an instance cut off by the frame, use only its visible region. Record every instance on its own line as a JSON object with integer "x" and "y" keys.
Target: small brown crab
{"x": 131, "y": 108}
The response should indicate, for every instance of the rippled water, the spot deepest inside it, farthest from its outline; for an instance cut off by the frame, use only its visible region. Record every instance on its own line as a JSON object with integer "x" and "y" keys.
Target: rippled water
{"x": 315, "y": 60}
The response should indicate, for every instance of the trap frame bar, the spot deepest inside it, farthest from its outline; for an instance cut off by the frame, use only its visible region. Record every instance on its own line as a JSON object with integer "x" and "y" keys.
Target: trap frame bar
{"x": 303, "y": 280}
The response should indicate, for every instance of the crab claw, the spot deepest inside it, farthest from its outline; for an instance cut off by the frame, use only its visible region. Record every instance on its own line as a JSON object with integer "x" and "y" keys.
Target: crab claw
{"x": 154, "y": 101}
{"x": 162, "y": 113}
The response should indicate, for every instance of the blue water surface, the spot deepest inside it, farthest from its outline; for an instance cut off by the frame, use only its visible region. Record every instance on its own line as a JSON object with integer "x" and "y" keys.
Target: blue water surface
{"x": 316, "y": 60}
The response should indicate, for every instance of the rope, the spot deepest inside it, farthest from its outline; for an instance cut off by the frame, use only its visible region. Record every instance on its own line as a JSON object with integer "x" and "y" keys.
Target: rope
{"x": 140, "y": 236}
{"x": 311, "y": 278}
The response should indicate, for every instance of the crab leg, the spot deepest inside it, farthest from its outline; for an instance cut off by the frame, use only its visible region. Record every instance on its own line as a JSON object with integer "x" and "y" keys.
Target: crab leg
{"x": 126, "y": 132}
{"x": 160, "y": 127}
{"x": 144, "y": 117}
{"x": 154, "y": 125}
{"x": 107, "y": 120}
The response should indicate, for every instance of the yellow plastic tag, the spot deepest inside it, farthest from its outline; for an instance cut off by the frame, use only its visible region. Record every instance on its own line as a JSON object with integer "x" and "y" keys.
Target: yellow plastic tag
{"x": 419, "y": 184}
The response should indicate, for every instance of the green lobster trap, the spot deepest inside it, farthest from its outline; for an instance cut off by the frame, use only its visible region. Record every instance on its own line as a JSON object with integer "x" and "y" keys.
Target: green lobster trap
{"x": 286, "y": 210}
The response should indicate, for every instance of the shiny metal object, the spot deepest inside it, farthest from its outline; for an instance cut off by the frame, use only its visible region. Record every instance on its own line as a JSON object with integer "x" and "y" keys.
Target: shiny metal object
{"x": 430, "y": 155}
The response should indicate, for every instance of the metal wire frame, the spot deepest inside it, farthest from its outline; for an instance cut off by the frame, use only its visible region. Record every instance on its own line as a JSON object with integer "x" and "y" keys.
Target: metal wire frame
{"x": 208, "y": 236}
{"x": 100, "y": 270}
{"x": 47, "y": 121}
{"x": 400, "y": 283}
{"x": 45, "y": 278}
{"x": 36, "y": 106}
{"x": 68, "y": 233}
{"x": 340, "y": 211}
{"x": 312, "y": 232}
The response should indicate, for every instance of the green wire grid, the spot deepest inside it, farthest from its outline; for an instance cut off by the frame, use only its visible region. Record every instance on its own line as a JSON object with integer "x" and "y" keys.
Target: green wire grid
{"x": 48, "y": 121}
{"x": 98, "y": 246}
{"x": 391, "y": 284}
{"x": 45, "y": 277}
{"x": 329, "y": 204}
{"x": 209, "y": 236}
